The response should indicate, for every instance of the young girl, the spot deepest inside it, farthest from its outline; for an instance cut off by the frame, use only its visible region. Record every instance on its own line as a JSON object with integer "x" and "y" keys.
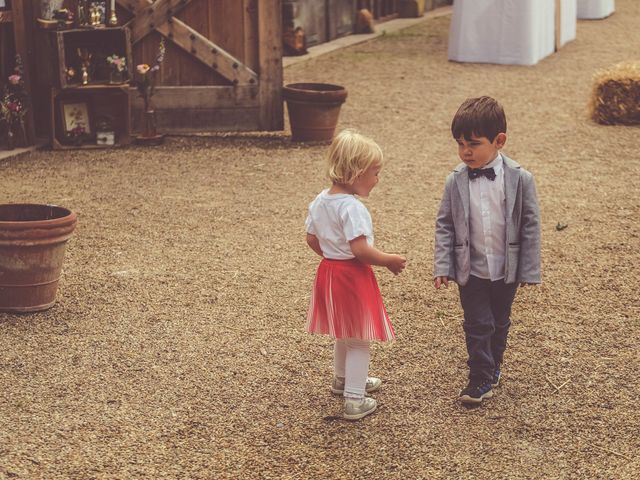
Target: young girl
{"x": 346, "y": 301}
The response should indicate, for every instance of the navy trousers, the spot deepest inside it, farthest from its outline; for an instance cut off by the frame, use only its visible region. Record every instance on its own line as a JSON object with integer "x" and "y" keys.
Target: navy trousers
{"x": 487, "y": 308}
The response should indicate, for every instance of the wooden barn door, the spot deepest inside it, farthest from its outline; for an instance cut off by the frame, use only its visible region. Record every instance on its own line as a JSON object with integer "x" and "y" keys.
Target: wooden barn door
{"x": 223, "y": 62}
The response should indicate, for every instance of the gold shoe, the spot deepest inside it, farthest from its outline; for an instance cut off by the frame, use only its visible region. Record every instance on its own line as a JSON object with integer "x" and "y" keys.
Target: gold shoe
{"x": 357, "y": 409}
{"x": 373, "y": 384}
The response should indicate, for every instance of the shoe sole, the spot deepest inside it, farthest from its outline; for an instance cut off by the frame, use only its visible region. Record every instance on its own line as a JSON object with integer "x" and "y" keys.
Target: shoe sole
{"x": 335, "y": 391}
{"x": 494, "y": 385}
{"x": 360, "y": 415}
{"x": 475, "y": 401}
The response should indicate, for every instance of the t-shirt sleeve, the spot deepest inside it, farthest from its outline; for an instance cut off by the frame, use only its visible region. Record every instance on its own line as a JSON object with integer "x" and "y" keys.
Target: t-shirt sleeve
{"x": 356, "y": 221}
{"x": 308, "y": 223}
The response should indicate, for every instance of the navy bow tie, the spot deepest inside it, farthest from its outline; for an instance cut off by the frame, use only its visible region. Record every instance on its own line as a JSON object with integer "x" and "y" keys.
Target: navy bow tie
{"x": 486, "y": 172}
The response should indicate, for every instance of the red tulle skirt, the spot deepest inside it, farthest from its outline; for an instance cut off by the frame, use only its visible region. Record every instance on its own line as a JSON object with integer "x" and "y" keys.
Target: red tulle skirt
{"x": 346, "y": 302}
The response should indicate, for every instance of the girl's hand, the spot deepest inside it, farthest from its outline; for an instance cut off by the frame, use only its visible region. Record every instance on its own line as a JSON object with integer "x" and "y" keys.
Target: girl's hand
{"x": 372, "y": 256}
{"x": 396, "y": 263}
{"x": 314, "y": 243}
{"x": 438, "y": 281}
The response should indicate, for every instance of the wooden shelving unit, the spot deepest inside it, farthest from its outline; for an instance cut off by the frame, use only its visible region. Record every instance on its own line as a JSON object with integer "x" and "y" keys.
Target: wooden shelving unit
{"x": 102, "y": 101}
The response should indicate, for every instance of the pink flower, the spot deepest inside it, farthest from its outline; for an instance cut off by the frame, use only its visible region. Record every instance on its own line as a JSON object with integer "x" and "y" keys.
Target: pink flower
{"x": 143, "y": 68}
{"x": 14, "y": 79}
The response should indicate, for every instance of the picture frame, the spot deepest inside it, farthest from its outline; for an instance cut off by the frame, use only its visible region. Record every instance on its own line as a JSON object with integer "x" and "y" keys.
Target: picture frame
{"x": 75, "y": 114}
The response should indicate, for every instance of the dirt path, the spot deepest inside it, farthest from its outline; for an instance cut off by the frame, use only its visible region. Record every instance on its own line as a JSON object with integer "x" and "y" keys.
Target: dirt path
{"x": 177, "y": 346}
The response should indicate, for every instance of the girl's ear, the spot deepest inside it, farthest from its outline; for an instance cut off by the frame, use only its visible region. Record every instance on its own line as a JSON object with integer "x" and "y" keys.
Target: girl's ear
{"x": 500, "y": 140}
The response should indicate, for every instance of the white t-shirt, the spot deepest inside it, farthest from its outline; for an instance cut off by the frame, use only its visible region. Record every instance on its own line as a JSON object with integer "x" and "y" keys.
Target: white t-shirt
{"x": 337, "y": 219}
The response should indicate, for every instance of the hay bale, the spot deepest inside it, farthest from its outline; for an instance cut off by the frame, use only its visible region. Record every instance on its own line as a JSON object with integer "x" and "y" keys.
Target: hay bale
{"x": 616, "y": 95}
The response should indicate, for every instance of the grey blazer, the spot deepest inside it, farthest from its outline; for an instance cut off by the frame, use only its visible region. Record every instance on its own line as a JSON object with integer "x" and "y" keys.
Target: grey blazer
{"x": 452, "y": 252}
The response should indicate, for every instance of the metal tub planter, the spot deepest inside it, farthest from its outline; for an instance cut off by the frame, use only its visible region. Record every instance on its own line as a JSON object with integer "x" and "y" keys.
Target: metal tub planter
{"x": 32, "y": 243}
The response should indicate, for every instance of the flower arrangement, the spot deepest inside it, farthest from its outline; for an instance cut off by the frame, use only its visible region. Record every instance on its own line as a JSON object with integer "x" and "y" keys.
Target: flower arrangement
{"x": 146, "y": 77}
{"x": 118, "y": 68}
{"x": 14, "y": 100}
{"x": 117, "y": 63}
{"x": 13, "y": 111}
{"x": 77, "y": 131}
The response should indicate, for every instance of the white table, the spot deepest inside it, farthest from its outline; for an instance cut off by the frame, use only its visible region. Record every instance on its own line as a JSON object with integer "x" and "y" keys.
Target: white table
{"x": 520, "y": 32}
{"x": 595, "y": 9}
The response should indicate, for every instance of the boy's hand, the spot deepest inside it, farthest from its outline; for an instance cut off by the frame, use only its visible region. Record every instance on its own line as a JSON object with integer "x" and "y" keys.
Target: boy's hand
{"x": 396, "y": 263}
{"x": 438, "y": 281}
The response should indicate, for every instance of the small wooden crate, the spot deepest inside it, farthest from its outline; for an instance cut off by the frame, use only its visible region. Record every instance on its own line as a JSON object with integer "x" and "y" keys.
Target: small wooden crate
{"x": 102, "y": 103}
{"x": 101, "y": 42}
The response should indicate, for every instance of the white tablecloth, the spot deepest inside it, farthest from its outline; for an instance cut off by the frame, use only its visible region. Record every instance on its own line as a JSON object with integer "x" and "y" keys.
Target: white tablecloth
{"x": 594, "y": 9}
{"x": 520, "y": 32}
{"x": 568, "y": 15}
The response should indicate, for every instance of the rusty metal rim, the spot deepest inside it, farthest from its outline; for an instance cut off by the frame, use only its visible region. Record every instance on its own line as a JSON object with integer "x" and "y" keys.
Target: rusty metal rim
{"x": 69, "y": 219}
{"x": 315, "y": 92}
{"x": 12, "y": 242}
{"x": 3, "y": 285}
{"x": 32, "y": 308}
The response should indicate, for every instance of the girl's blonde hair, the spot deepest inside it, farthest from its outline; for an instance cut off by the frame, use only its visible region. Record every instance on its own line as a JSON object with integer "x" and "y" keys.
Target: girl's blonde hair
{"x": 350, "y": 155}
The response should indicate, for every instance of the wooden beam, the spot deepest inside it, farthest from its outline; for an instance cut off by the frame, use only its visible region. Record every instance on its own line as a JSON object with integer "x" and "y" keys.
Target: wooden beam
{"x": 184, "y": 120}
{"x": 270, "y": 34}
{"x": 152, "y": 15}
{"x": 189, "y": 40}
{"x": 20, "y": 16}
{"x": 211, "y": 97}
{"x": 134, "y": 6}
{"x": 251, "y": 40}
{"x": 208, "y": 53}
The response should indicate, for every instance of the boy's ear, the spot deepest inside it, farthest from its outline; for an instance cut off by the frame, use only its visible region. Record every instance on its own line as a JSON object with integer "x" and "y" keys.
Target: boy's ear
{"x": 500, "y": 140}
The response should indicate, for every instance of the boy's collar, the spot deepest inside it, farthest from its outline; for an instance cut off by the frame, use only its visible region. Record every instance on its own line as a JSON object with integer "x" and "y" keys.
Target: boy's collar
{"x": 507, "y": 162}
{"x": 495, "y": 162}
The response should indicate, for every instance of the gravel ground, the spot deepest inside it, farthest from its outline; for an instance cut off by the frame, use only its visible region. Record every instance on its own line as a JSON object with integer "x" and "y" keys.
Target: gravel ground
{"x": 177, "y": 348}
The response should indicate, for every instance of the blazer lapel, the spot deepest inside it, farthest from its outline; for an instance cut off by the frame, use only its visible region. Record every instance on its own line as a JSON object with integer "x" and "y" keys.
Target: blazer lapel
{"x": 511, "y": 179}
{"x": 462, "y": 181}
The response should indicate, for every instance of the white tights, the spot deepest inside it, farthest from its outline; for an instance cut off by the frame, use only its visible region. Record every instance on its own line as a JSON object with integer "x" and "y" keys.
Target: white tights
{"x": 351, "y": 362}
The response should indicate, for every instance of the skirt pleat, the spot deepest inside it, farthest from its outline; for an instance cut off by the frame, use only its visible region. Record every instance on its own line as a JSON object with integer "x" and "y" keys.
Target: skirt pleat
{"x": 346, "y": 302}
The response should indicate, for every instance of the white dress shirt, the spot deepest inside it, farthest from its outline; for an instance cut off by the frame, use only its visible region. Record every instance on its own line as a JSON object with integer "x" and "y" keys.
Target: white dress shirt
{"x": 487, "y": 225}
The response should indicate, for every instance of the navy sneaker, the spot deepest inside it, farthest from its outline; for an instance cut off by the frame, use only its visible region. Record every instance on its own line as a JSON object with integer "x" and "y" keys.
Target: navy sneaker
{"x": 495, "y": 381}
{"x": 475, "y": 392}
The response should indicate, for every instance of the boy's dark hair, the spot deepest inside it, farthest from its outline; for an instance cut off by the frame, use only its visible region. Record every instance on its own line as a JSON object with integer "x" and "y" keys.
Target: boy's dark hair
{"x": 482, "y": 117}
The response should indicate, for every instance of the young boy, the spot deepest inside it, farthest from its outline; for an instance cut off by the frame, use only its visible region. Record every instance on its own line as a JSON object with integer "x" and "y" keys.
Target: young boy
{"x": 487, "y": 238}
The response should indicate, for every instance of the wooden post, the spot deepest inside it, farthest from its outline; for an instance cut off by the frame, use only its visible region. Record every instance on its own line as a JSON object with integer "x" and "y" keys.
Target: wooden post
{"x": 270, "y": 54}
{"x": 21, "y": 10}
{"x": 6, "y": 19}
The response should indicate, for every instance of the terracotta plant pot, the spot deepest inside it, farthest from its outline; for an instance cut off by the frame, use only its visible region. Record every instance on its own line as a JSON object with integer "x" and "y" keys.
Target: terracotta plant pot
{"x": 313, "y": 110}
{"x": 32, "y": 242}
